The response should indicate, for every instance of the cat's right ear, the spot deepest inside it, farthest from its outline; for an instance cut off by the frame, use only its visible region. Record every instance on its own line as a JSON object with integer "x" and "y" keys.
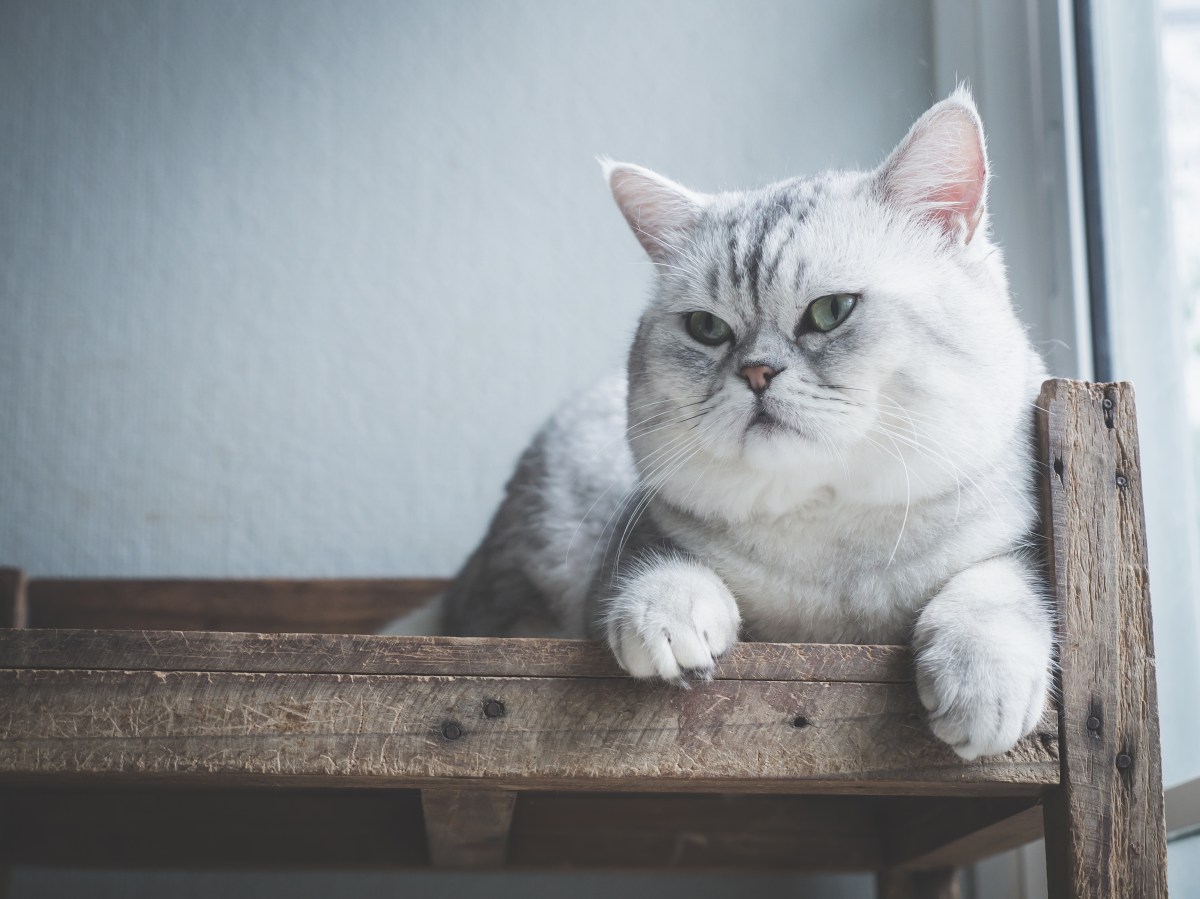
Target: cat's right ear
{"x": 658, "y": 210}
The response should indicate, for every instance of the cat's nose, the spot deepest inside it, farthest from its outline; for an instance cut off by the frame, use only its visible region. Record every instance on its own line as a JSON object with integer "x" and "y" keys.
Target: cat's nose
{"x": 759, "y": 376}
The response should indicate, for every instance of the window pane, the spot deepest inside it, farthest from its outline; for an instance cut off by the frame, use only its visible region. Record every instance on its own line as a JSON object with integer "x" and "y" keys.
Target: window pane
{"x": 1181, "y": 69}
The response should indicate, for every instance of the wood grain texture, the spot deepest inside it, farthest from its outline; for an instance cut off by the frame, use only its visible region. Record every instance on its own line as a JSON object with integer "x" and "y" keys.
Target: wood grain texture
{"x": 14, "y": 608}
{"x": 467, "y": 828}
{"x": 362, "y": 654}
{"x": 1105, "y": 833}
{"x": 354, "y": 606}
{"x": 556, "y": 733}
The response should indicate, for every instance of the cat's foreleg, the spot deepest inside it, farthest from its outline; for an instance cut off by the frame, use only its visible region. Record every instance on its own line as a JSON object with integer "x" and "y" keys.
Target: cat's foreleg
{"x": 984, "y": 648}
{"x": 669, "y": 616}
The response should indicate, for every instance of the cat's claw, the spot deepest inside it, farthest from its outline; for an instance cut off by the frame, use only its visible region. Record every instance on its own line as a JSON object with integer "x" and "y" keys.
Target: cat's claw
{"x": 672, "y": 620}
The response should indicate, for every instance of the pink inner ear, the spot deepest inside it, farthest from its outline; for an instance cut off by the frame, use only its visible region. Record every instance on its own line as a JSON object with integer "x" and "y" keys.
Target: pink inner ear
{"x": 956, "y": 201}
{"x": 656, "y": 209}
{"x": 940, "y": 170}
{"x": 963, "y": 199}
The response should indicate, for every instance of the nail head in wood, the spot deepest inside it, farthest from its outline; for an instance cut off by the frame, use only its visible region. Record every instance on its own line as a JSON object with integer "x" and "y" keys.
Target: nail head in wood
{"x": 1122, "y": 481}
{"x": 1124, "y": 761}
{"x": 1093, "y": 724}
{"x": 452, "y": 730}
{"x": 493, "y": 708}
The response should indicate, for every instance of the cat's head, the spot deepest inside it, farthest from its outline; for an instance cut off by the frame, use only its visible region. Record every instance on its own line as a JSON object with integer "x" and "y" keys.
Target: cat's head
{"x": 822, "y": 326}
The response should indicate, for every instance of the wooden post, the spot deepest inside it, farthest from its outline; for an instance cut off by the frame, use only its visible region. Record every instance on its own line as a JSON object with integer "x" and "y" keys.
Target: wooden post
{"x": 13, "y": 607}
{"x": 1105, "y": 833}
{"x": 467, "y": 828}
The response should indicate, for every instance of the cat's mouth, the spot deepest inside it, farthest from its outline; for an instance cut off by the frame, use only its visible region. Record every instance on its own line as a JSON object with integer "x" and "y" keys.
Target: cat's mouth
{"x": 765, "y": 422}
{"x": 762, "y": 418}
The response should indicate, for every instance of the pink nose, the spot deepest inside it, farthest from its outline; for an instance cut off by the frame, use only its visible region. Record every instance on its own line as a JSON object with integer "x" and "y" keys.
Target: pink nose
{"x": 758, "y": 376}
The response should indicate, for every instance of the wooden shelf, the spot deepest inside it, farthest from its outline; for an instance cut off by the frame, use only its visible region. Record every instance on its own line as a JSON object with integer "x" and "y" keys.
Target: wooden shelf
{"x": 536, "y": 741}
{"x": 423, "y": 711}
{"x": 131, "y": 735}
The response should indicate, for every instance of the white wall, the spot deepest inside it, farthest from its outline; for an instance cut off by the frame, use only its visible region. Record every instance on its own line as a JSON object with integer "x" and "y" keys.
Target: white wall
{"x": 286, "y": 286}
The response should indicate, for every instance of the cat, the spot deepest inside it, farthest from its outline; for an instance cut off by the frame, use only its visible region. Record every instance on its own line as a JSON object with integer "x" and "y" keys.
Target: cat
{"x": 823, "y": 435}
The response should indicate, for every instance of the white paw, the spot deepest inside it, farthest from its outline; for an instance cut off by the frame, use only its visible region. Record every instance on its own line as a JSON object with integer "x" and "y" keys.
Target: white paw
{"x": 983, "y": 662}
{"x": 673, "y": 619}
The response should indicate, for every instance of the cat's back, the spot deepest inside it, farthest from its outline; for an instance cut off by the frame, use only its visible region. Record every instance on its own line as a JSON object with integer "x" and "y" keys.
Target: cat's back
{"x": 530, "y": 574}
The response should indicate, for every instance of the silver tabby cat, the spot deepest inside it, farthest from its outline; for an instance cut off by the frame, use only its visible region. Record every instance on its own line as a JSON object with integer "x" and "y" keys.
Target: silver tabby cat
{"x": 823, "y": 435}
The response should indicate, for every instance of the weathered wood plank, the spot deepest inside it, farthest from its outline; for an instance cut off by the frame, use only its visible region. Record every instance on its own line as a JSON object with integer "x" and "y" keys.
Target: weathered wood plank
{"x": 362, "y": 654}
{"x": 354, "y": 606}
{"x": 467, "y": 828}
{"x": 554, "y": 733}
{"x": 931, "y": 834}
{"x": 1105, "y": 834}
{"x": 13, "y": 605}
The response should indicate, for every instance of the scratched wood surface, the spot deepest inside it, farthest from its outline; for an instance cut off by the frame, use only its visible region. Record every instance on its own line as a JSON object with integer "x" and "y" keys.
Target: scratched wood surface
{"x": 348, "y": 606}
{"x": 363, "y": 654}
{"x": 1105, "y": 832}
{"x": 554, "y": 732}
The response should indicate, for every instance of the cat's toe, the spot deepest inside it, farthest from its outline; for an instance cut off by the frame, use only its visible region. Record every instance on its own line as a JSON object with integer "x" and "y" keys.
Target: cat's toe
{"x": 980, "y": 715}
{"x": 673, "y": 621}
{"x": 984, "y": 647}
{"x": 990, "y": 724}
{"x": 643, "y": 658}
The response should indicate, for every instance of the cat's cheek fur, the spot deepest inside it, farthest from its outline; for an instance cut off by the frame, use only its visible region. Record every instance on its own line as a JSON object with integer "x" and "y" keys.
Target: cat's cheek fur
{"x": 671, "y": 618}
{"x": 984, "y": 654}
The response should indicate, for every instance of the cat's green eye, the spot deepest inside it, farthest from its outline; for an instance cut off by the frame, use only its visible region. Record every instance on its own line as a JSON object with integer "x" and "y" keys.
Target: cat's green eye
{"x": 708, "y": 329}
{"x": 826, "y": 313}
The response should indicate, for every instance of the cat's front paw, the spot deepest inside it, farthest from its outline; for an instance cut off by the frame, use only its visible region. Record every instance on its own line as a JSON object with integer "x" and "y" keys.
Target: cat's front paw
{"x": 983, "y": 668}
{"x": 672, "y": 619}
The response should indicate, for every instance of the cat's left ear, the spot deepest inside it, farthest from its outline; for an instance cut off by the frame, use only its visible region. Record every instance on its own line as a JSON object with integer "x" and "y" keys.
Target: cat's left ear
{"x": 659, "y": 211}
{"x": 940, "y": 169}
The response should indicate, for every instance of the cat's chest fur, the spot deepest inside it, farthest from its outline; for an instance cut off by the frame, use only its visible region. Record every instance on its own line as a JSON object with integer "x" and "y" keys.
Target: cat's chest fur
{"x": 827, "y": 569}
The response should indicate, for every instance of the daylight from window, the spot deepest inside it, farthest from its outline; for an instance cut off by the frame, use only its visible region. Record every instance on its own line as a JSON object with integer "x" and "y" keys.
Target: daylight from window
{"x": 1181, "y": 65}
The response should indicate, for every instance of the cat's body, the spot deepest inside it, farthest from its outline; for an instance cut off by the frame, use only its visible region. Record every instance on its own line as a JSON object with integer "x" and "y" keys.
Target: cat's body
{"x": 823, "y": 436}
